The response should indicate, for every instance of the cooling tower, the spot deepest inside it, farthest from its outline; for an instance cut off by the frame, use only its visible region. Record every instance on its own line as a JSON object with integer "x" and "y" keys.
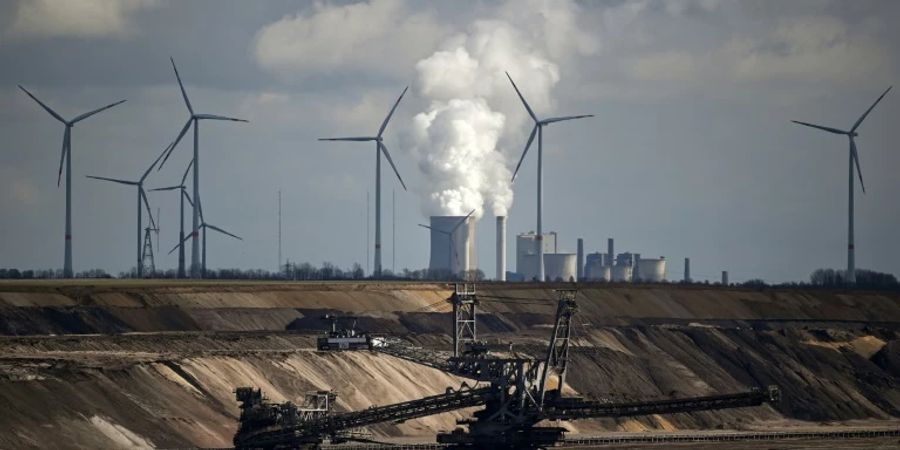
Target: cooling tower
{"x": 595, "y": 271}
{"x": 651, "y": 270}
{"x": 501, "y": 248}
{"x": 458, "y": 253}
{"x": 621, "y": 273}
{"x": 560, "y": 266}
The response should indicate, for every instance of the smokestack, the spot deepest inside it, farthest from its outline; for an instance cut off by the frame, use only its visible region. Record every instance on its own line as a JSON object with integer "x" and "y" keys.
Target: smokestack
{"x": 609, "y": 251}
{"x": 687, "y": 270}
{"x": 580, "y": 260}
{"x": 724, "y": 278}
{"x": 501, "y": 248}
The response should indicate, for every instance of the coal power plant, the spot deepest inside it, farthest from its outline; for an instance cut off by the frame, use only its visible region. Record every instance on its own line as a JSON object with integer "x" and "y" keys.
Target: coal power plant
{"x": 587, "y": 225}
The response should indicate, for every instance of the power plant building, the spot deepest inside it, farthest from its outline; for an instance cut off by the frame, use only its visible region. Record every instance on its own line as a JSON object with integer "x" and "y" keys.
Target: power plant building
{"x": 624, "y": 267}
{"x": 452, "y": 247}
{"x": 527, "y": 250}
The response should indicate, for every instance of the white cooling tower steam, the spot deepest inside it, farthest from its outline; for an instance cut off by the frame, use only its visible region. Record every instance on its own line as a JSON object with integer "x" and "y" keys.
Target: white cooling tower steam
{"x": 472, "y": 121}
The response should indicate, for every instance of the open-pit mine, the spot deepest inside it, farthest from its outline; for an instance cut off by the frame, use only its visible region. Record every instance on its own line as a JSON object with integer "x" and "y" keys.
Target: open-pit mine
{"x": 163, "y": 364}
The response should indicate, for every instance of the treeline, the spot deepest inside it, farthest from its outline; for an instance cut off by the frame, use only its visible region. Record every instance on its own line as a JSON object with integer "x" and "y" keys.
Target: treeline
{"x": 820, "y": 278}
{"x": 33, "y": 274}
{"x": 865, "y": 279}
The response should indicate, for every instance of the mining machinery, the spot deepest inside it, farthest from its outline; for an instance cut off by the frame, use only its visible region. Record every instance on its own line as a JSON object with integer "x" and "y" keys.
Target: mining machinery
{"x": 344, "y": 338}
{"x": 516, "y": 394}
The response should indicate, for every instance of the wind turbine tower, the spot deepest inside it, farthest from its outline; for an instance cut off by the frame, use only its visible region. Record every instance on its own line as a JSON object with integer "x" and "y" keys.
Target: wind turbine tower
{"x": 141, "y": 199}
{"x": 379, "y": 149}
{"x": 854, "y": 160}
{"x": 539, "y": 130}
{"x": 66, "y": 156}
{"x": 194, "y": 120}
{"x": 183, "y": 195}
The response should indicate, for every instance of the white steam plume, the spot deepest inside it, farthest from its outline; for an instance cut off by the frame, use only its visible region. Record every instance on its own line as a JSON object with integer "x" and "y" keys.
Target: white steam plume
{"x": 460, "y": 142}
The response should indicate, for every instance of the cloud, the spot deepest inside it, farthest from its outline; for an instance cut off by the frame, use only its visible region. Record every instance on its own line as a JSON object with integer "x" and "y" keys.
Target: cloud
{"x": 383, "y": 37}
{"x": 671, "y": 65}
{"x": 76, "y": 18}
{"x": 807, "y": 48}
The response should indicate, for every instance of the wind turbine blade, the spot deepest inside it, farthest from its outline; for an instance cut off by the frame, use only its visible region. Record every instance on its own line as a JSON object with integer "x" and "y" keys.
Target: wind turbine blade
{"x": 91, "y": 113}
{"x": 388, "y": 155}
{"x": 181, "y": 85}
{"x": 388, "y": 118}
{"x": 180, "y": 243}
{"x": 527, "y": 146}
{"x": 560, "y": 119}
{"x": 828, "y": 129}
{"x": 215, "y": 117}
{"x": 46, "y": 108}
{"x": 114, "y": 180}
{"x": 357, "y": 139}
{"x": 170, "y": 188}
{"x": 187, "y": 197}
{"x": 530, "y": 112}
{"x": 213, "y": 227}
{"x": 863, "y": 117}
{"x": 155, "y": 161}
{"x": 462, "y": 221}
{"x": 62, "y": 154}
{"x": 175, "y": 142}
{"x": 856, "y": 160}
{"x": 186, "y": 171}
{"x": 147, "y": 205}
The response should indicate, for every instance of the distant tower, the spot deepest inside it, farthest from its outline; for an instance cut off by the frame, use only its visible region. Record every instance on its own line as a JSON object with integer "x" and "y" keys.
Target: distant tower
{"x": 724, "y": 278}
{"x": 687, "y": 270}
{"x": 279, "y": 231}
{"x": 580, "y": 260}
{"x": 149, "y": 267}
{"x": 610, "y": 254}
{"x": 501, "y": 248}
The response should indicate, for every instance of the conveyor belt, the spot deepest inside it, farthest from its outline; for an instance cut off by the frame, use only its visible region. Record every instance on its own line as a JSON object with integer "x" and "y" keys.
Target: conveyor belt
{"x": 580, "y": 409}
{"x": 314, "y": 430}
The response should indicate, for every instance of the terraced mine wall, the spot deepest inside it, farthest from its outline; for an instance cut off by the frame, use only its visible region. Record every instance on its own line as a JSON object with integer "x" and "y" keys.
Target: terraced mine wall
{"x": 154, "y": 364}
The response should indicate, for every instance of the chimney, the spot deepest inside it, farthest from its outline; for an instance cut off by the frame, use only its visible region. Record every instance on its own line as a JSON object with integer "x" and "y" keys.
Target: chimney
{"x": 580, "y": 261}
{"x": 501, "y": 248}
{"x": 609, "y": 251}
{"x": 687, "y": 270}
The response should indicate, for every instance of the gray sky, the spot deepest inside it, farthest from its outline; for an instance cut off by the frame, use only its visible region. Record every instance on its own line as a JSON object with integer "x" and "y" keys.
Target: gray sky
{"x": 691, "y": 153}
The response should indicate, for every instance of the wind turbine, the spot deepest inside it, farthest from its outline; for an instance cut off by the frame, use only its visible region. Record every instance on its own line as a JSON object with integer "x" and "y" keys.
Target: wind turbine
{"x": 66, "y": 156}
{"x": 451, "y": 249}
{"x": 204, "y": 226}
{"x": 194, "y": 120}
{"x": 141, "y": 198}
{"x": 854, "y": 160}
{"x": 379, "y": 148}
{"x": 539, "y": 130}
{"x": 182, "y": 197}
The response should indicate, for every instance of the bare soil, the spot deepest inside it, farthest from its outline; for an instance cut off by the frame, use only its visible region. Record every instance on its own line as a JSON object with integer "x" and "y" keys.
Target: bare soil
{"x": 116, "y": 364}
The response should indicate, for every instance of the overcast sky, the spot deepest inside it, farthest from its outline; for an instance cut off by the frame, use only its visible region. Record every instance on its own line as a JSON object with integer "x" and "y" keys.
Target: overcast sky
{"x": 691, "y": 152}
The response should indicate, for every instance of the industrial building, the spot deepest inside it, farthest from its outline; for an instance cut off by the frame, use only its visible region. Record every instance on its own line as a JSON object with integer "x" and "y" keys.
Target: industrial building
{"x": 527, "y": 250}
{"x": 452, "y": 244}
{"x": 623, "y": 267}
